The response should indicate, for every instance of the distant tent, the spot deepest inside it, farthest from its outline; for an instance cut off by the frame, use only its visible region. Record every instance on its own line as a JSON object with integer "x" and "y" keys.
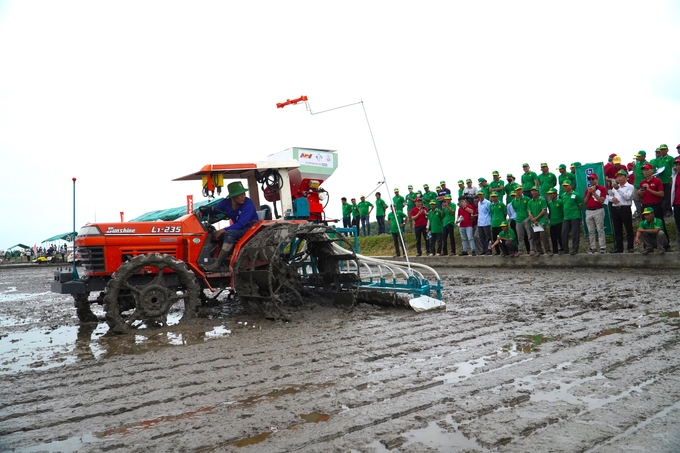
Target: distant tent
{"x": 68, "y": 237}
{"x": 20, "y": 246}
{"x": 171, "y": 213}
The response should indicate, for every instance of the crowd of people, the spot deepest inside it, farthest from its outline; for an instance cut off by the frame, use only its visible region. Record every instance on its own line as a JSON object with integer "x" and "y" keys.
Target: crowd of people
{"x": 542, "y": 213}
{"x": 29, "y": 254}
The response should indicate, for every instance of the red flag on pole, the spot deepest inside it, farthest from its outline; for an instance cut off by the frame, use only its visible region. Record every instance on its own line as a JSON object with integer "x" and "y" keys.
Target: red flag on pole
{"x": 35, "y": 249}
{"x": 122, "y": 216}
{"x": 190, "y": 204}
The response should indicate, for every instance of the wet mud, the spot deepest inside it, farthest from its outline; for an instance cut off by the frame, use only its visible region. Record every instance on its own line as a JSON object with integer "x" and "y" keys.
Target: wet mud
{"x": 529, "y": 360}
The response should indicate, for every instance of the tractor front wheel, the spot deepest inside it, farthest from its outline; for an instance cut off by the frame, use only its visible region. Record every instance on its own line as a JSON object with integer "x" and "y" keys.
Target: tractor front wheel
{"x": 154, "y": 292}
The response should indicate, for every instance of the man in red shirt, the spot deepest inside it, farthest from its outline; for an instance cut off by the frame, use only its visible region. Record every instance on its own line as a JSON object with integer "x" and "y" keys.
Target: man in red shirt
{"x": 594, "y": 198}
{"x": 419, "y": 216}
{"x": 611, "y": 172}
{"x": 465, "y": 213}
{"x": 609, "y": 165}
{"x": 651, "y": 195}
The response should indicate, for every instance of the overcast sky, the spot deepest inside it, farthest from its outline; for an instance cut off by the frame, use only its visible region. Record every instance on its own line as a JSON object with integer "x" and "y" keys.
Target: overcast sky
{"x": 127, "y": 95}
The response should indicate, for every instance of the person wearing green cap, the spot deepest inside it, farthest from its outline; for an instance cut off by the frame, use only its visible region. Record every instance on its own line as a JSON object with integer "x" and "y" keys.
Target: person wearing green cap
{"x": 461, "y": 188}
{"x": 506, "y": 241}
{"x": 572, "y": 204}
{"x": 449, "y": 222}
{"x": 398, "y": 201}
{"x": 651, "y": 233}
{"x": 556, "y": 211}
{"x": 241, "y": 210}
{"x": 564, "y": 176}
{"x": 442, "y": 192}
{"x": 546, "y": 180}
{"x": 666, "y": 162}
{"x": 380, "y": 208}
{"x": 397, "y": 221}
{"x": 640, "y": 160}
{"x": 484, "y": 187}
{"x": 538, "y": 215}
{"x": 436, "y": 228}
{"x": 428, "y": 195}
{"x": 510, "y": 188}
{"x": 470, "y": 191}
{"x": 498, "y": 215}
{"x": 497, "y": 185}
{"x": 411, "y": 197}
{"x": 522, "y": 221}
{"x": 529, "y": 179}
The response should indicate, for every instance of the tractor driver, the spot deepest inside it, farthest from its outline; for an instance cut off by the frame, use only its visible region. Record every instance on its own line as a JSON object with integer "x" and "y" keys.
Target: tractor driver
{"x": 241, "y": 210}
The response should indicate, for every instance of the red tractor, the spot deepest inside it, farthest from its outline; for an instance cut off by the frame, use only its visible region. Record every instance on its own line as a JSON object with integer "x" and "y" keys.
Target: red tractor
{"x": 143, "y": 269}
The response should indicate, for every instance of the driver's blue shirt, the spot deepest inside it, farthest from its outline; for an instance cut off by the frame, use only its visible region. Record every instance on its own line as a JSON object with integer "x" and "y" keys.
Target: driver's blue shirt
{"x": 241, "y": 216}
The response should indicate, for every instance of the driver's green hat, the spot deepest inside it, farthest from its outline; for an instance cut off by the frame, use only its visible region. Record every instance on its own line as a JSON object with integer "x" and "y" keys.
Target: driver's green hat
{"x": 236, "y": 188}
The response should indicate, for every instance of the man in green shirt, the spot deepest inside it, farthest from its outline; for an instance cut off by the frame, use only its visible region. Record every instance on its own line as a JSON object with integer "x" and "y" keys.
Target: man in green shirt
{"x": 564, "y": 176}
{"x": 436, "y": 228}
{"x": 546, "y": 180}
{"x": 538, "y": 215}
{"x": 398, "y": 201}
{"x": 461, "y": 188}
{"x": 522, "y": 221}
{"x": 506, "y": 241}
{"x": 556, "y": 211}
{"x": 397, "y": 221}
{"x": 484, "y": 187}
{"x": 356, "y": 216}
{"x": 428, "y": 195}
{"x": 510, "y": 188}
{"x": 650, "y": 231}
{"x": 497, "y": 185}
{"x": 667, "y": 162}
{"x": 572, "y": 203}
{"x": 346, "y": 213}
{"x": 365, "y": 209}
{"x": 529, "y": 180}
{"x": 640, "y": 160}
{"x": 410, "y": 204}
{"x": 380, "y": 207}
{"x": 449, "y": 222}
{"x": 498, "y": 214}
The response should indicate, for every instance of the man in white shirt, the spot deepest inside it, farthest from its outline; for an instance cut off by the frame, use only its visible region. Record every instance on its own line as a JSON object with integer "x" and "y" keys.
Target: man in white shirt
{"x": 621, "y": 196}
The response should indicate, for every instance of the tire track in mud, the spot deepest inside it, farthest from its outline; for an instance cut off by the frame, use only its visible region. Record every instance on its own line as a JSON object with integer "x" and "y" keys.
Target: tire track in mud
{"x": 346, "y": 372}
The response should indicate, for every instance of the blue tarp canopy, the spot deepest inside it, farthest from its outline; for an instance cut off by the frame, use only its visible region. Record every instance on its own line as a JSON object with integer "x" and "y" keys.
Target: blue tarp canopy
{"x": 68, "y": 237}
{"x": 171, "y": 213}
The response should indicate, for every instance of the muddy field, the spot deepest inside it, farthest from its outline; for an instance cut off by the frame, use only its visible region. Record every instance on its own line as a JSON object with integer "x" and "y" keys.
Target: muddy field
{"x": 528, "y": 361}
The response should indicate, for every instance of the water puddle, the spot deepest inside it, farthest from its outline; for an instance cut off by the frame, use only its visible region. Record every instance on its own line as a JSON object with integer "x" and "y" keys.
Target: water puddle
{"x": 465, "y": 370}
{"x": 292, "y": 390}
{"x": 146, "y": 424}
{"x": 44, "y": 348}
{"x": 442, "y": 436}
{"x": 68, "y": 445}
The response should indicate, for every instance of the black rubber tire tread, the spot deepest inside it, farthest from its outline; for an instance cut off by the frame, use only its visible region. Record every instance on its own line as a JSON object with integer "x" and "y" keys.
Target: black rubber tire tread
{"x": 83, "y": 309}
{"x": 119, "y": 279}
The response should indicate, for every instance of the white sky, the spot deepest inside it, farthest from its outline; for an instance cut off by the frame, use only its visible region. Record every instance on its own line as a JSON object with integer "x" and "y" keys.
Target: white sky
{"x": 127, "y": 95}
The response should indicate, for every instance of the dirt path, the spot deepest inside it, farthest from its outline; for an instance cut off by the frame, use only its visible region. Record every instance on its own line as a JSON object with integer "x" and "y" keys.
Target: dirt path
{"x": 533, "y": 361}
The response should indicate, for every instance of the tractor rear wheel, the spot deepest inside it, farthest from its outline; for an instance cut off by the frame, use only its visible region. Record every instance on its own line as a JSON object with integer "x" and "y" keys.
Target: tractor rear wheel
{"x": 153, "y": 293}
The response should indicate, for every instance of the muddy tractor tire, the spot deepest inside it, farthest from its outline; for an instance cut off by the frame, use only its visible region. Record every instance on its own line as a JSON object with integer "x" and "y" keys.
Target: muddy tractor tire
{"x": 148, "y": 297}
